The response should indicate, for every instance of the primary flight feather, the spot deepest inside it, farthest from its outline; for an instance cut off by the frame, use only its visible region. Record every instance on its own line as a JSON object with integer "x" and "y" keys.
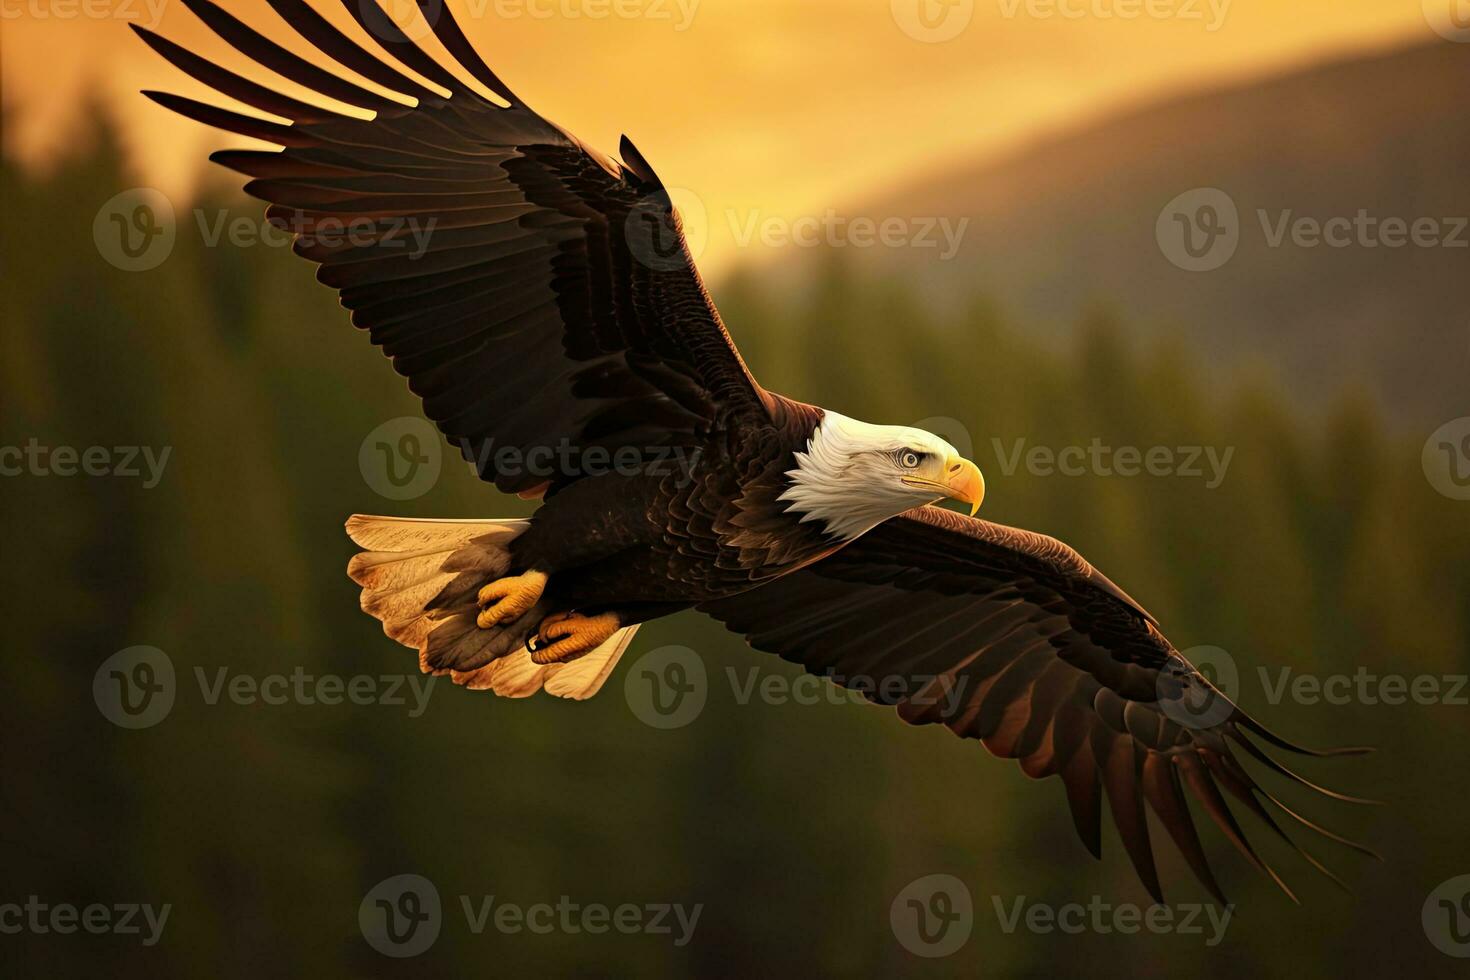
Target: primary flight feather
{"x": 540, "y": 300}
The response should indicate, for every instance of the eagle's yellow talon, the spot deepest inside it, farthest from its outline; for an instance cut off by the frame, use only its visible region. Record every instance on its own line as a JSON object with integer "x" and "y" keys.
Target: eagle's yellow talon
{"x": 508, "y": 599}
{"x": 574, "y": 635}
{"x": 544, "y": 632}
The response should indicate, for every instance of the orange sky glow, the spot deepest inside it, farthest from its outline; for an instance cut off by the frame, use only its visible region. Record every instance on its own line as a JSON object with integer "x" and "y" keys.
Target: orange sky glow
{"x": 760, "y": 109}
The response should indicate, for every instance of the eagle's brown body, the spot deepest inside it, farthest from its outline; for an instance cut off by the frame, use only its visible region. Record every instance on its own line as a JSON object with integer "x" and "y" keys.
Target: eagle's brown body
{"x": 553, "y": 302}
{"x": 639, "y": 545}
{"x": 704, "y": 529}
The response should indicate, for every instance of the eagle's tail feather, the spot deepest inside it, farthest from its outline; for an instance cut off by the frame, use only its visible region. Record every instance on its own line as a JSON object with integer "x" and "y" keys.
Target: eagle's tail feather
{"x": 421, "y": 578}
{"x": 411, "y": 568}
{"x": 517, "y": 676}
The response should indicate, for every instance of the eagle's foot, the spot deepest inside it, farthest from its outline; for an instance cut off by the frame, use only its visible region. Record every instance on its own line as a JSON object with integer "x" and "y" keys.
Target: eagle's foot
{"x": 508, "y": 599}
{"x": 566, "y": 636}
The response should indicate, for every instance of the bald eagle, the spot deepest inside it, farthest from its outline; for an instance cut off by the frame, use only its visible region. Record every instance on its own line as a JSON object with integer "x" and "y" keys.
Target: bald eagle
{"x": 553, "y": 303}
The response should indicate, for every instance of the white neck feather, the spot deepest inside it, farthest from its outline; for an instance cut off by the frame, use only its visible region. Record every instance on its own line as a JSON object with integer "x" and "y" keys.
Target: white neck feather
{"x": 839, "y": 482}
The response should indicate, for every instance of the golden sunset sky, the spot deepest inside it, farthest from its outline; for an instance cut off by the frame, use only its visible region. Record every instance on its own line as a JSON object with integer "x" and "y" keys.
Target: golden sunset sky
{"x": 760, "y": 108}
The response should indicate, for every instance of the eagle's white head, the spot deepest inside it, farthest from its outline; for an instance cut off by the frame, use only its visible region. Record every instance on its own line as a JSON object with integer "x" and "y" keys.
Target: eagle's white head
{"x": 854, "y": 476}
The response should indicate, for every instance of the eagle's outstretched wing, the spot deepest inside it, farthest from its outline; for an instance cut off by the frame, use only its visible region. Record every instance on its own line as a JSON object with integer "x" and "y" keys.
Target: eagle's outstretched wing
{"x": 535, "y": 293}
{"x": 1012, "y": 638}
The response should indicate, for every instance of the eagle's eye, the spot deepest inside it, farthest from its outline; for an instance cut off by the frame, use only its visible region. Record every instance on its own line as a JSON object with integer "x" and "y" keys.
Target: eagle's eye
{"x": 908, "y": 459}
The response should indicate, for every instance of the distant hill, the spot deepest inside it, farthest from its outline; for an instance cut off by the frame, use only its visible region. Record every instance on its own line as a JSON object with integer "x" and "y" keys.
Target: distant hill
{"x": 1069, "y": 223}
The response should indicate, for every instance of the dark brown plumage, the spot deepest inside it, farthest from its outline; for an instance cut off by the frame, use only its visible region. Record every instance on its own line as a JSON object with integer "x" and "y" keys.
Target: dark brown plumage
{"x": 537, "y": 294}
{"x": 1012, "y": 638}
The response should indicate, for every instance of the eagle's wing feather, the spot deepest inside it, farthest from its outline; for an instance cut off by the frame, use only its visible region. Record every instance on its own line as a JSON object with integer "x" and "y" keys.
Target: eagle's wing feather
{"x": 535, "y": 293}
{"x": 1012, "y": 638}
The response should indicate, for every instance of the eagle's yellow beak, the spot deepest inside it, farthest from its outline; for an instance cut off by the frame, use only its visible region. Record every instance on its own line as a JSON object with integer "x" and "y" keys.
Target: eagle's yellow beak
{"x": 960, "y": 479}
{"x": 964, "y": 482}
